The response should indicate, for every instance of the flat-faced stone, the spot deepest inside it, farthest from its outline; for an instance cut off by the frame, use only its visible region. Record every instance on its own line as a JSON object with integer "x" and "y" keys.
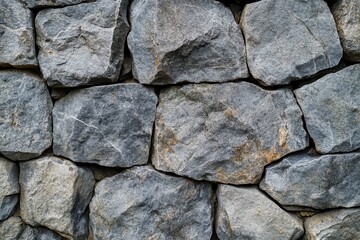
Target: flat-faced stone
{"x": 287, "y": 40}
{"x": 107, "y": 125}
{"x": 141, "y": 203}
{"x": 331, "y": 107}
{"x": 225, "y": 132}
{"x": 82, "y": 44}
{"x": 51, "y": 3}
{"x": 173, "y": 41}
{"x": 25, "y": 119}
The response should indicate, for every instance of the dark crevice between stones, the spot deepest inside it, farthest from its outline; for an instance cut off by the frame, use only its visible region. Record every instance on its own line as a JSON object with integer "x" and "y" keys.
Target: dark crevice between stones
{"x": 38, "y": 9}
{"x": 214, "y": 212}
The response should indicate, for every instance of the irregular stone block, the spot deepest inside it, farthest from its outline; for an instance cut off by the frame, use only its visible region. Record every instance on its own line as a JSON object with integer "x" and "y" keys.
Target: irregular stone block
{"x": 17, "y": 40}
{"x": 82, "y": 44}
{"x": 52, "y": 3}
{"x": 319, "y": 182}
{"x": 247, "y": 213}
{"x": 225, "y": 132}
{"x": 174, "y": 41}
{"x": 347, "y": 18}
{"x": 336, "y": 224}
{"x": 287, "y": 40}
{"x": 9, "y": 188}
{"x": 25, "y": 120}
{"x": 55, "y": 193}
{"x": 107, "y": 125}
{"x": 141, "y": 203}
{"x": 331, "y": 107}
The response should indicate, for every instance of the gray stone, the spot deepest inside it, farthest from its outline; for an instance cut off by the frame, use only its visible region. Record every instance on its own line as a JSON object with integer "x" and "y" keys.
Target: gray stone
{"x": 287, "y": 40}
{"x": 341, "y": 224}
{"x": 107, "y": 125}
{"x": 331, "y": 107}
{"x": 17, "y": 40}
{"x": 38, "y": 233}
{"x": 55, "y": 193}
{"x": 82, "y": 44}
{"x": 141, "y": 203}
{"x": 347, "y": 18}
{"x": 9, "y": 185}
{"x": 25, "y": 119}
{"x": 319, "y": 182}
{"x": 52, "y": 3}
{"x": 247, "y": 213}
{"x": 173, "y": 41}
{"x": 225, "y": 132}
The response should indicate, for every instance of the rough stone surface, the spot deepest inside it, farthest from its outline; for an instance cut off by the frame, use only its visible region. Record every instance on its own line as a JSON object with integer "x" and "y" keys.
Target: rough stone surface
{"x": 17, "y": 41}
{"x": 225, "y": 132}
{"x": 175, "y": 41}
{"x": 331, "y": 107}
{"x": 141, "y": 203}
{"x": 51, "y": 3}
{"x": 107, "y": 125}
{"x": 82, "y": 44}
{"x": 287, "y": 40}
{"x": 333, "y": 225}
{"x": 247, "y": 213}
{"x": 54, "y": 194}
{"x": 347, "y": 18}
{"x": 9, "y": 188}
{"x": 319, "y": 182}
{"x": 25, "y": 119}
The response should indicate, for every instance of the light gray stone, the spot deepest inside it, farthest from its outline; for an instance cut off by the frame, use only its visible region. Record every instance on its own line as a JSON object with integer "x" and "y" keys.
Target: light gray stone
{"x": 319, "y": 182}
{"x": 225, "y": 132}
{"x": 52, "y": 3}
{"x": 82, "y": 44}
{"x": 17, "y": 40}
{"x": 141, "y": 203}
{"x": 174, "y": 41}
{"x": 334, "y": 225}
{"x": 331, "y": 107}
{"x": 287, "y": 40}
{"x": 9, "y": 188}
{"x": 107, "y": 125}
{"x": 25, "y": 119}
{"x": 55, "y": 193}
{"x": 247, "y": 213}
{"x": 347, "y": 18}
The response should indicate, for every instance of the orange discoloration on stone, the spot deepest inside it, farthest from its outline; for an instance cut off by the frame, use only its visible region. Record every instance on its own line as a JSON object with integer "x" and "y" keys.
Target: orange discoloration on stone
{"x": 230, "y": 113}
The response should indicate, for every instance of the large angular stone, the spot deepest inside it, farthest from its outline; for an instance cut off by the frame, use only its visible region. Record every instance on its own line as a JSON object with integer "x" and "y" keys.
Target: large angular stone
{"x": 55, "y": 193}
{"x": 9, "y": 188}
{"x": 334, "y": 225}
{"x": 141, "y": 203}
{"x": 247, "y": 213}
{"x": 107, "y": 125}
{"x": 287, "y": 40}
{"x": 347, "y": 18}
{"x": 331, "y": 107}
{"x": 17, "y": 40}
{"x": 82, "y": 44}
{"x": 319, "y": 182}
{"x": 225, "y": 132}
{"x": 25, "y": 119}
{"x": 51, "y": 3}
{"x": 173, "y": 41}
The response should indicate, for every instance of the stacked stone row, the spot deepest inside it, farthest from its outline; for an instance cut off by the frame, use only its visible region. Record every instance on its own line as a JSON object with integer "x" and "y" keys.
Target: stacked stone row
{"x": 228, "y": 130}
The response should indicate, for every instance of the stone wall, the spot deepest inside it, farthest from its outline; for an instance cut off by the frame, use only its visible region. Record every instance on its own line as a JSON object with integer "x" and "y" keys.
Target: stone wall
{"x": 179, "y": 119}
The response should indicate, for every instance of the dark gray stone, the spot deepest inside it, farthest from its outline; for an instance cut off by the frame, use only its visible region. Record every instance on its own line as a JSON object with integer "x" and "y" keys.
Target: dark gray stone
{"x": 319, "y": 182}
{"x": 55, "y": 193}
{"x": 247, "y": 213}
{"x": 107, "y": 125}
{"x": 82, "y": 44}
{"x": 25, "y": 119}
{"x": 17, "y": 40}
{"x": 175, "y": 41}
{"x": 141, "y": 203}
{"x": 225, "y": 132}
{"x": 287, "y": 40}
{"x": 52, "y": 3}
{"x": 331, "y": 107}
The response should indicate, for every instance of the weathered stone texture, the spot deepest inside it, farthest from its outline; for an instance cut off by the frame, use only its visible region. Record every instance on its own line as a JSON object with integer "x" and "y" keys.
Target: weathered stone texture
{"x": 225, "y": 132}
{"x": 51, "y": 3}
{"x": 107, "y": 125}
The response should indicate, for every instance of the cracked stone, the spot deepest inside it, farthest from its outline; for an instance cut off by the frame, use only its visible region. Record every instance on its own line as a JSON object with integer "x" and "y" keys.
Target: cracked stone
{"x": 288, "y": 40}
{"x": 52, "y": 3}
